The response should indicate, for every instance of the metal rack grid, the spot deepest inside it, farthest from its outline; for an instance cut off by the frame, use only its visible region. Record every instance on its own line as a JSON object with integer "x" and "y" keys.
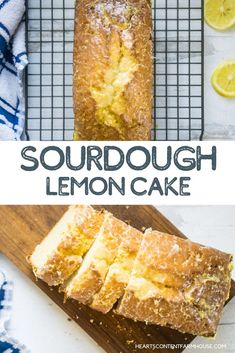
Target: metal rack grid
{"x": 178, "y": 71}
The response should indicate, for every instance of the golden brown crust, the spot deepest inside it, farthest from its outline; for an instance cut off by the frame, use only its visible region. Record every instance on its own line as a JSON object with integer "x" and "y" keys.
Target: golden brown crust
{"x": 90, "y": 277}
{"x": 171, "y": 282}
{"x": 119, "y": 272}
{"x": 112, "y": 70}
{"x": 177, "y": 283}
{"x": 75, "y": 239}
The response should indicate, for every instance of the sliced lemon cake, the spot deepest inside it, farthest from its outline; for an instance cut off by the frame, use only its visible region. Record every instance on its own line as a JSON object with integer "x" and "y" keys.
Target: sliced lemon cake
{"x": 119, "y": 272}
{"x": 90, "y": 277}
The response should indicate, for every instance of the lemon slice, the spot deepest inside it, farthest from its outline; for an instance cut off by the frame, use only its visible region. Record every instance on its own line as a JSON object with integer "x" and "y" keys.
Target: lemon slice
{"x": 220, "y": 14}
{"x": 223, "y": 79}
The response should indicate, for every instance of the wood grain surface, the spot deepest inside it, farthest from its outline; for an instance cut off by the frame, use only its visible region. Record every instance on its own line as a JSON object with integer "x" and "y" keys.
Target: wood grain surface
{"x": 23, "y": 227}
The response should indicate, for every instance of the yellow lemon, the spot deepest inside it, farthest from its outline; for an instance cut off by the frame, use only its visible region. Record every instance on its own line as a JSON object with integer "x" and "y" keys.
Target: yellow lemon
{"x": 220, "y": 14}
{"x": 223, "y": 79}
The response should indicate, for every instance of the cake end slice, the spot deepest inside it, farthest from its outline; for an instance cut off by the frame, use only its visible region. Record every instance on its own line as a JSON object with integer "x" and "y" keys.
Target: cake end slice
{"x": 61, "y": 251}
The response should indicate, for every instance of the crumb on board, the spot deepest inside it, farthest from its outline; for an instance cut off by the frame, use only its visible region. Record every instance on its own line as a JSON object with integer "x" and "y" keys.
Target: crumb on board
{"x": 129, "y": 342}
{"x": 91, "y": 321}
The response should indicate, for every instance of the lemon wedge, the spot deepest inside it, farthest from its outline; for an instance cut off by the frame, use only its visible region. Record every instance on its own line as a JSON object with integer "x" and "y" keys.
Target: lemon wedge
{"x": 223, "y": 79}
{"x": 220, "y": 14}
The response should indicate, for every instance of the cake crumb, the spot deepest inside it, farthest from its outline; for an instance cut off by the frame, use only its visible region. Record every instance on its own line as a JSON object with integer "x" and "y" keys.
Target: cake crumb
{"x": 91, "y": 321}
{"x": 129, "y": 342}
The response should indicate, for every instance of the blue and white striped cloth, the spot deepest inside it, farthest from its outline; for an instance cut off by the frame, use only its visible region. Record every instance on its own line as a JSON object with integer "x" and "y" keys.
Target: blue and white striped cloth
{"x": 7, "y": 343}
{"x": 13, "y": 59}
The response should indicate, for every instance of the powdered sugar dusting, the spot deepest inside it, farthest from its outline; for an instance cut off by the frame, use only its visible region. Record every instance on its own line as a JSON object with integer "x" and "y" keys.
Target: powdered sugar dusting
{"x": 127, "y": 38}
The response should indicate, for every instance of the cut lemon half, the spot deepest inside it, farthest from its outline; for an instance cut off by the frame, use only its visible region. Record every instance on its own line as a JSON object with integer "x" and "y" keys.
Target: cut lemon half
{"x": 223, "y": 79}
{"x": 220, "y": 14}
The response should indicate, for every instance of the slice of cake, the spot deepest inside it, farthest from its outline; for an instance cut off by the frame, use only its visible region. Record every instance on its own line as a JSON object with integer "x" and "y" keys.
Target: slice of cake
{"x": 177, "y": 283}
{"x": 119, "y": 272}
{"x": 61, "y": 252}
{"x": 90, "y": 277}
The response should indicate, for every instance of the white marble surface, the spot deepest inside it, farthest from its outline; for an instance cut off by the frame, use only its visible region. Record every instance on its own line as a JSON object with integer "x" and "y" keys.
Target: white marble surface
{"x": 219, "y": 111}
{"x": 44, "y": 327}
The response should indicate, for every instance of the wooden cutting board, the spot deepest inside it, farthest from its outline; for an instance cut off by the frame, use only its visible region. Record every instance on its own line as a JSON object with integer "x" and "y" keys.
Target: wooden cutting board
{"x": 23, "y": 227}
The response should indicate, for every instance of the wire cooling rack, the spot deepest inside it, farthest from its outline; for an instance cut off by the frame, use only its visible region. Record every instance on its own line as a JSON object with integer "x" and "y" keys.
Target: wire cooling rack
{"x": 178, "y": 70}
